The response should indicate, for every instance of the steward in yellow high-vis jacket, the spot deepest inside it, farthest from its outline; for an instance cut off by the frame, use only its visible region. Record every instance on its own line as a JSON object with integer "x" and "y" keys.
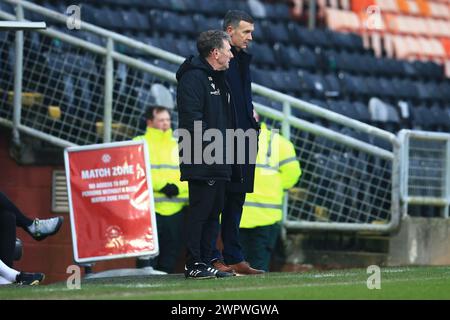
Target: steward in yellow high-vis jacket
{"x": 277, "y": 169}
{"x": 170, "y": 194}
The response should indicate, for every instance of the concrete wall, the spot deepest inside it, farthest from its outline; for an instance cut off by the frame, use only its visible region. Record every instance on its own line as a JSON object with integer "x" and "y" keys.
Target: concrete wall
{"x": 421, "y": 241}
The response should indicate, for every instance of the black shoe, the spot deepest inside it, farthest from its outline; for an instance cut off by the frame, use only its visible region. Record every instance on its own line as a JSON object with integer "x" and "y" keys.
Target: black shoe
{"x": 29, "y": 279}
{"x": 199, "y": 271}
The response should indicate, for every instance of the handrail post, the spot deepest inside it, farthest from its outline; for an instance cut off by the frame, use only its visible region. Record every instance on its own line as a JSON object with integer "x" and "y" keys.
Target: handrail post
{"x": 18, "y": 71}
{"x": 286, "y": 132}
{"x": 286, "y": 126}
{"x": 109, "y": 78}
{"x": 446, "y": 209}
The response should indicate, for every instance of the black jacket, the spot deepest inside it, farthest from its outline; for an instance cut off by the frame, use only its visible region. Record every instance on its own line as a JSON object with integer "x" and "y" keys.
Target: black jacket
{"x": 203, "y": 95}
{"x": 238, "y": 76}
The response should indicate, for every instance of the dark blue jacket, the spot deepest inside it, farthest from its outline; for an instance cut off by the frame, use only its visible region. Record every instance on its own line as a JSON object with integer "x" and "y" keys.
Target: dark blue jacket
{"x": 239, "y": 79}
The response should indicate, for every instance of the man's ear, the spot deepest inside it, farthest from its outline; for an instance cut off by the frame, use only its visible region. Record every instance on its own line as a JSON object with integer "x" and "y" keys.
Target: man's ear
{"x": 215, "y": 53}
{"x": 229, "y": 30}
{"x": 149, "y": 123}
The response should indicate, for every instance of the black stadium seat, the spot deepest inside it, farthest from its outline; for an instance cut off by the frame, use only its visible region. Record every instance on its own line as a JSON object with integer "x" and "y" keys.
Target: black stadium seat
{"x": 275, "y": 31}
{"x": 277, "y": 11}
{"x": 262, "y": 54}
{"x": 362, "y": 111}
{"x": 205, "y": 23}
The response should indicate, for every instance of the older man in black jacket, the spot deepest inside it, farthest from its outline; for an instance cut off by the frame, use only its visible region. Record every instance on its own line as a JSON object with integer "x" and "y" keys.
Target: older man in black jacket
{"x": 205, "y": 112}
{"x": 239, "y": 25}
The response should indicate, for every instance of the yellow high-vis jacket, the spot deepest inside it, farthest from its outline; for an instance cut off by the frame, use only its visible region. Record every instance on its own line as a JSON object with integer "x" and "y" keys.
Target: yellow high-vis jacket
{"x": 277, "y": 169}
{"x": 163, "y": 149}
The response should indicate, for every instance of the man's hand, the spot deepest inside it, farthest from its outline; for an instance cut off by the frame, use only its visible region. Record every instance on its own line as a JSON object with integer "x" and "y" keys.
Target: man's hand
{"x": 170, "y": 190}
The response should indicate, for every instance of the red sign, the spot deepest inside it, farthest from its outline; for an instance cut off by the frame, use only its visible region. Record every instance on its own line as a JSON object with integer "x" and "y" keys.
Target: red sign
{"x": 111, "y": 201}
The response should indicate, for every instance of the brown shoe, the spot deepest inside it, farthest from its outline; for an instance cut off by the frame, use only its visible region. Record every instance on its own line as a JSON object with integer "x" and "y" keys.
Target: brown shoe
{"x": 243, "y": 268}
{"x": 221, "y": 266}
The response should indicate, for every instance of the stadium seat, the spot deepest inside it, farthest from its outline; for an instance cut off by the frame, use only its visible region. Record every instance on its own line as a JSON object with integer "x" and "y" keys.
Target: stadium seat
{"x": 216, "y": 8}
{"x": 168, "y": 43}
{"x": 383, "y": 114}
{"x": 275, "y": 31}
{"x": 185, "y": 48}
{"x": 262, "y": 54}
{"x": 442, "y": 118}
{"x": 312, "y": 38}
{"x": 158, "y": 4}
{"x": 349, "y": 85}
{"x": 162, "y": 96}
{"x": 204, "y": 23}
{"x": 277, "y": 11}
{"x": 257, "y": 9}
{"x": 262, "y": 77}
{"x": 363, "y": 112}
{"x": 291, "y": 80}
{"x": 421, "y": 118}
{"x": 293, "y": 57}
{"x": 333, "y": 87}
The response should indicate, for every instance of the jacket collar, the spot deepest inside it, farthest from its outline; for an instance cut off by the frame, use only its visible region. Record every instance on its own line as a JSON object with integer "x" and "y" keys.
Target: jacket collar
{"x": 158, "y": 134}
{"x": 241, "y": 55}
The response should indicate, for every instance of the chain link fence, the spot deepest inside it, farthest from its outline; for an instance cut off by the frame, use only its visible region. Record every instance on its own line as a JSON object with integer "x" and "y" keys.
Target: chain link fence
{"x": 339, "y": 183}
{"x": 64, "y": 90}
{"x": 426, "y": 173}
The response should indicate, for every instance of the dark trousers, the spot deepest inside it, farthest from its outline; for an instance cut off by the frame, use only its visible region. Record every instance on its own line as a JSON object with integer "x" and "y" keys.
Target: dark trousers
{"x": 229, "y": 228}
{"x": 7, "y": 236}
{"x": 258, "y": 245}
{"x": 10, "y": 217}
{"x": 6, "y": 204}
{"x": 170, "y": 240}
{"x": 206, "y": 201}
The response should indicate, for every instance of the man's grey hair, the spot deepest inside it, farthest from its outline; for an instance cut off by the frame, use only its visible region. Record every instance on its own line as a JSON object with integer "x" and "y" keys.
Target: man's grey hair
{"x": 210, "y": 40}
{"x": 233, "y": 17}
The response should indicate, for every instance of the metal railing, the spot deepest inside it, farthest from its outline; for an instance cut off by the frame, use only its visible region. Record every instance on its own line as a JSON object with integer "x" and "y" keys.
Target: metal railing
{"x": 425, "y": 174}
{"x": 76, "y": 92}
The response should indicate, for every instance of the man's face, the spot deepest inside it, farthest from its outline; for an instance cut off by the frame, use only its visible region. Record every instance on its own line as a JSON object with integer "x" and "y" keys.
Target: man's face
{"x": 161, "y": 121}
{"x": 223, "y": 56}
{"x": 242, "y": 35}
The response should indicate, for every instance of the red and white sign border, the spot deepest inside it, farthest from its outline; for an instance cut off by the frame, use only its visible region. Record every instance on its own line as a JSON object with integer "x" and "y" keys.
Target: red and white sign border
{"x": 153, "y": 252}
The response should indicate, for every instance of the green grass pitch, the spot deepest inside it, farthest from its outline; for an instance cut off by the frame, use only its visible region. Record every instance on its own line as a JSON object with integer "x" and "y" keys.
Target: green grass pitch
{"x": 396, "y": 283}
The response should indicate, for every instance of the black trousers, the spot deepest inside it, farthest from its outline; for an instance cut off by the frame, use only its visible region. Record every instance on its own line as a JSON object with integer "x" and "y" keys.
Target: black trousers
{"x": 7, "y": 236}
{"x": 10, "y": 217}
{"x": 206, "y": 201}
{"x": 6, "y": 204}
{"x": 170, "y": 240}
{"x": 229, "y": 228}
